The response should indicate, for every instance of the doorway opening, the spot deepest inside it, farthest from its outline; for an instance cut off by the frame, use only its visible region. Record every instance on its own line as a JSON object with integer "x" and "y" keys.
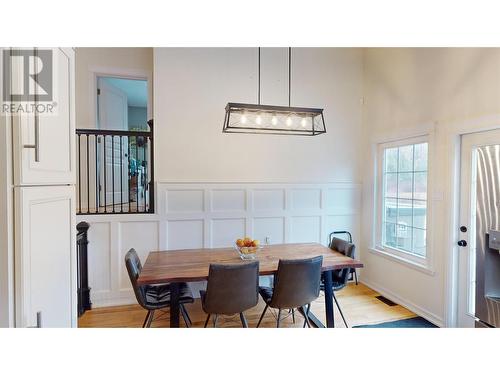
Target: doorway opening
{"x": 122, "y": 105}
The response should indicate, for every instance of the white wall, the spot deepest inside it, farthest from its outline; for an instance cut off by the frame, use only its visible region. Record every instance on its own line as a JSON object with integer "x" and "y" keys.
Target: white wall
{"x": 107, "y": 61}
{"x": 193, "y": 86}
{"x": 432, "y": 90}
{"x": 213, "y": 187}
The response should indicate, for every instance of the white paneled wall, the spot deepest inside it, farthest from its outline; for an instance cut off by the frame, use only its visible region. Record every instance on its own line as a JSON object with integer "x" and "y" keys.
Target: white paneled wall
{"x": 200, "y": 215}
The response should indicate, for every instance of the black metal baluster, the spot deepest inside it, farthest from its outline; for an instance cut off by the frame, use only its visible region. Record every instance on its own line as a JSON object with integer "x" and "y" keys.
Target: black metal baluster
{"x": 152, "y": 163}
{"x": 105, "y": 174}
{"x": 88, "y": 177}
{"x": 79, "y": 176}
{"x": 113, "y": 171}
{"x": 144, "y": 181}
{"x": 96, "y": 177}
{"x": 129, "y": 174}
{"x": 121, "y": 173}
{"x": 137, "y": 174}
{"x": 145, "y": 164}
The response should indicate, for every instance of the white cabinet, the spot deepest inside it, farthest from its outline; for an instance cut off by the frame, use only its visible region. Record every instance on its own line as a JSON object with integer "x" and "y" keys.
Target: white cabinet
{"x": 53, "y": 135}
{"x": 45, "y": 245}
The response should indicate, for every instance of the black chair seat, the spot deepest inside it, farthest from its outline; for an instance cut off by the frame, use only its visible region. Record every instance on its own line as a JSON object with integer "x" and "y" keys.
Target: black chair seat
{"x": 158, "y": 296}
{"x": 266, "y": 292}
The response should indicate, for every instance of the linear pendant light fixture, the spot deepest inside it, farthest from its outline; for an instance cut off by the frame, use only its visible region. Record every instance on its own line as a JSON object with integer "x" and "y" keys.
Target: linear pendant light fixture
{"x": 270, "y": 119}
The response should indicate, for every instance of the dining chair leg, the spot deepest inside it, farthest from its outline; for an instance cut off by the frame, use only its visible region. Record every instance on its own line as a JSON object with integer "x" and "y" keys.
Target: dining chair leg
{"x": 206, "y": 321}
{"x": 150, "y": 320}
{"x": 278, "y": 321}
{"x": 341, "y": 314}
{"x": 293, "y": 315}
{"x": 146, "y": 319}
{"x": 305, "y": 314}
{"x": 356, "y": 276}
{"x": 215, "y": 320}
{"x": 262, "y": 316}
{"x": 243, "y": 320}
{"x": 185, "y": 316}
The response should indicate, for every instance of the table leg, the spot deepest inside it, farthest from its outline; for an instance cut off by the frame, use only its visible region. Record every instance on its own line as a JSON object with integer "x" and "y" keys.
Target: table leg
{"x": 327, "y": 279}
{"x": 174, "y": 305}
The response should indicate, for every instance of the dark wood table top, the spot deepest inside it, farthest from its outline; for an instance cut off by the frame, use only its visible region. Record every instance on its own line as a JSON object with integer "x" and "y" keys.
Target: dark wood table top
{"x": 193, "y": 264}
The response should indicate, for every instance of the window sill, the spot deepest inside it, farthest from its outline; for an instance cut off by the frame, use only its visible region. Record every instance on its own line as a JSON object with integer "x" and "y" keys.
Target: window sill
{"x": 425, "y": 268}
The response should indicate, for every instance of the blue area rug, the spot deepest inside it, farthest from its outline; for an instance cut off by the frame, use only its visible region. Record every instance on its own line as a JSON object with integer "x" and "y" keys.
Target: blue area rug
{"x": 417, "y": 322}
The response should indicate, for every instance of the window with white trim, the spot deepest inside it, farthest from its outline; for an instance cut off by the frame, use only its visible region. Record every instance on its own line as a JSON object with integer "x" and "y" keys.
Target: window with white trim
{"x": 403, "y": 215}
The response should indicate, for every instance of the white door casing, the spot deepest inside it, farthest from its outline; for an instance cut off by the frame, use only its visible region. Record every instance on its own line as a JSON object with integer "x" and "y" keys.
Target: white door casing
{"x": 56, "y": 141}
{"x": 466, "y": 255}
{"x": 45, "y": 259}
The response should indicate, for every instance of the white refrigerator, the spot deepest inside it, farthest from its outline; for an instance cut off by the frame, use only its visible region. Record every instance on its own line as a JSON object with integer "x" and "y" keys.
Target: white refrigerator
{"x": 42, "y": 205}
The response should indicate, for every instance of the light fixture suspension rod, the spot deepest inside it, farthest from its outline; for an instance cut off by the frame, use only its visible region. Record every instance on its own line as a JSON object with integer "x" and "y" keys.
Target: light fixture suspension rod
{"x": 258, "y": 99}
{"x": 289, "y": 75}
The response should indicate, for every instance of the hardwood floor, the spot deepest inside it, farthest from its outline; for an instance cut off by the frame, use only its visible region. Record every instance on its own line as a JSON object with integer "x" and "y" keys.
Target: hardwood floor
{"x": 358, "y": 304}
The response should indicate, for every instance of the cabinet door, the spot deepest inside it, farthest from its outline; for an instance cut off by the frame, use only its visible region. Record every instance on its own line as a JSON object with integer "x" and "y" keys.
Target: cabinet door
{"x": 50, "y": 156}
{"x": 45, "y": 256}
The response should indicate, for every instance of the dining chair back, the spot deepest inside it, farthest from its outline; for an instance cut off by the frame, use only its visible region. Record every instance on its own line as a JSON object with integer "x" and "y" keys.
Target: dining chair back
{"x": 231, "y": 288}
{"x": 297, "y": 282}
{"x": 333, "y": 245}
{"x": 134, "y": 267}
{"x": 340, "y": 277}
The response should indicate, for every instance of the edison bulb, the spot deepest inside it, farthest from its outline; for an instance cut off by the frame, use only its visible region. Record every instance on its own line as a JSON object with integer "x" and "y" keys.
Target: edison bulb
{"x": 258, "y": 120}
{"x": 303, "y": 122}
{"x": 243, "y": 119}
{"x": 289, "y": 121}
{"x": 274, "y": 120}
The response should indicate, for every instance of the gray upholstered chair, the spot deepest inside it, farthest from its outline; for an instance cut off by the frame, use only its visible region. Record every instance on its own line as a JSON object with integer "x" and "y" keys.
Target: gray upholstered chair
{"x": 296, "y": 285}
{"x": 352, "y": 271}
{"x": 156, "y": 296}
{"x": 231, "y": 289}
{"x": 340, "y": 277}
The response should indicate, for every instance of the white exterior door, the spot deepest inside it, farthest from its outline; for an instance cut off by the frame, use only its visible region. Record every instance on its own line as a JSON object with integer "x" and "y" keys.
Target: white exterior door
{"x": 468, "y": 215}
{"x": 51, "y": 160}
{"x": 45, "y": 258}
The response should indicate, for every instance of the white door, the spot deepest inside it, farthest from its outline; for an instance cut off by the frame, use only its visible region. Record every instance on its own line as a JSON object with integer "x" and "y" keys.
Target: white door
{"x": 45, "y": 258}
{"x": 113, "y": 115}
{"x": 468, "y": 230}
{"x": 51, "y": 160}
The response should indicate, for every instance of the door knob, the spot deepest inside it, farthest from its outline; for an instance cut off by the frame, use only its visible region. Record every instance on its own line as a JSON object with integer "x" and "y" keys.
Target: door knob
{"x": 462, "y": 243}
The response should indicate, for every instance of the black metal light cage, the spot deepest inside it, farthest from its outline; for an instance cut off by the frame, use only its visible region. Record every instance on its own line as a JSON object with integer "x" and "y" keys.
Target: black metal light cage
{"x": 269, "y": 119}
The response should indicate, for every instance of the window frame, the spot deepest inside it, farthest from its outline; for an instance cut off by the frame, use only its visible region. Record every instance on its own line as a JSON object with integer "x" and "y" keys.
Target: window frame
{"x": 419, "y": 262}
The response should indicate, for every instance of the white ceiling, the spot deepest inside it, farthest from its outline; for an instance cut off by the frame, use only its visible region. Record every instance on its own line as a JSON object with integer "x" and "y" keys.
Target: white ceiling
{"x": 136, "y": 90}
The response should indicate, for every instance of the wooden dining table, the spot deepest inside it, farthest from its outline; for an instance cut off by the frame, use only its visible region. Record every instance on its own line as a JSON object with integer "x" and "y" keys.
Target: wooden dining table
{"x": 177, "y": 266}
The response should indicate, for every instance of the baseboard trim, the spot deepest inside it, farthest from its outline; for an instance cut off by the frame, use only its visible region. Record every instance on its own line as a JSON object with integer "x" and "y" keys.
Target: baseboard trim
{"x": 431, "y": 317}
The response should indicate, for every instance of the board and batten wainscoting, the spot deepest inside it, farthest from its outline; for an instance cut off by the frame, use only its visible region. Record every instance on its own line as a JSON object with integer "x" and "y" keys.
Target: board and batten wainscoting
{"x": 208, "y": 215}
